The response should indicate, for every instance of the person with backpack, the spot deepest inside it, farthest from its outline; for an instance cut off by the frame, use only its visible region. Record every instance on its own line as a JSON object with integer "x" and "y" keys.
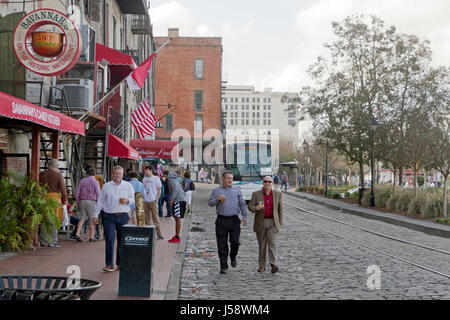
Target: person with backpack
{"x": 166, "y": 197}
{"x": 276, "y": 180}
{"x": 284, "y": 181}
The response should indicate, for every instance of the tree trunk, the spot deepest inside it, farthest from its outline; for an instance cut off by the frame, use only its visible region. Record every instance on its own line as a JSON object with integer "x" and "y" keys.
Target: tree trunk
{"x": 361, "y": 174}
{"x": 400, "y": 176}
{"x": 444, "y": 211}
{"x": 394, "y": 189}
{"x": 415, "y": 184}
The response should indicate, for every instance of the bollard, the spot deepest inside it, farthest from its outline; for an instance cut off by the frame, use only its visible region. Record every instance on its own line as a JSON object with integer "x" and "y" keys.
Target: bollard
{"x": 136, "y": 261}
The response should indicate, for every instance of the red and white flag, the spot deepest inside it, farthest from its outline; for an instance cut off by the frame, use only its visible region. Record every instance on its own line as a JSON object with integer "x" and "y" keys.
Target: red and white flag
{"x": 136, "y": 79}
{"x": 143, "y": 119}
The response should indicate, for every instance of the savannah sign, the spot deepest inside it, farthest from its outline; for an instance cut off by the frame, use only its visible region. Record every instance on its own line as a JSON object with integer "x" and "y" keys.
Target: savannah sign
{"x": 38, "y": 51}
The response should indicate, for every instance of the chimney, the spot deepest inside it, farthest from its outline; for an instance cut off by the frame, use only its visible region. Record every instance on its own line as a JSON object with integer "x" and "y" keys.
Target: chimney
{"x": 173, "y": 33}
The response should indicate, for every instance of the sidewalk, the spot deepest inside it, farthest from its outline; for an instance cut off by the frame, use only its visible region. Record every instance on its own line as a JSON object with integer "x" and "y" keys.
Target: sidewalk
{"x": 90, "y": 257}
{"x": 435, "y": 229}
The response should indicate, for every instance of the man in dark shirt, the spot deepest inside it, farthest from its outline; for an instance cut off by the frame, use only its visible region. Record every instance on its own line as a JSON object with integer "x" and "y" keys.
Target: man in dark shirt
{"x": 55, "y": 182}
{"x": 228, "y": 201}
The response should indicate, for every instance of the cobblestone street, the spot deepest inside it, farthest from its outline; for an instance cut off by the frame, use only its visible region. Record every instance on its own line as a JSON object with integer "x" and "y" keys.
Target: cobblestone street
{"x": 313, "y": 264}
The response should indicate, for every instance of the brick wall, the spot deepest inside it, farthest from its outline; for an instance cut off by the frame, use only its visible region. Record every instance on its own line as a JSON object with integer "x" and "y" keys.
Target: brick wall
{"x": 175, "y": 82}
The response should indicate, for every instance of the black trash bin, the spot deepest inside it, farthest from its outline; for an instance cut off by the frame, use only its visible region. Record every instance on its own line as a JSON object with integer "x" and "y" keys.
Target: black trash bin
{"x": 46, "y": 284}
{"x": 360, "y": 195}
{"x": 136, "y": 261}
{"x": 27, "y": 295}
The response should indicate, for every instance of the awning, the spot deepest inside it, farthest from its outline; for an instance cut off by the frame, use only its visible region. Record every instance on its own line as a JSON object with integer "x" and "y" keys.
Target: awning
{"x": 118, "y": 148}
{"x": 16, "y": 108}
{"x": 162, "y": 149}
{"x": 120, "y": 64}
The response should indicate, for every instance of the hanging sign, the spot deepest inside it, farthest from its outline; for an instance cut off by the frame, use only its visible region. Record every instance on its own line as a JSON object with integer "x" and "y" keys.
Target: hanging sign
{"x": 47, "y": 42}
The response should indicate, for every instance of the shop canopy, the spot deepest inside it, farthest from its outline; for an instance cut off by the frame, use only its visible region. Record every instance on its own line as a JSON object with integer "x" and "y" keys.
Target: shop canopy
{"x": 120, "y": 64}
{"x": 118, "y": 148}
{"x": 16, "y": 108}
{"x": 161, "y": 149}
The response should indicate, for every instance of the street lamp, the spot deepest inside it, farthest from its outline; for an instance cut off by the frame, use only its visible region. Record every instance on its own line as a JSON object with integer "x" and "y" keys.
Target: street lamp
{"x": 326, "y": 167}
{"x": 305, "y": 147}
{"x": 373, "y": 128}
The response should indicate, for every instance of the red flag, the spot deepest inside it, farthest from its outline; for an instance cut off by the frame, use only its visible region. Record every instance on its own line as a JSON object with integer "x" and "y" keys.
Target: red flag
{"x": 143, "y": 119}
{"x": 137, "y": 78}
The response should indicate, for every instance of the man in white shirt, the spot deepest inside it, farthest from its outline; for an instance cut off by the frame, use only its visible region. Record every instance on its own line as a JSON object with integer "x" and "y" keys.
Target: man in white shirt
{"x": 115, "y": 200}
{"x": 152, "y": 185}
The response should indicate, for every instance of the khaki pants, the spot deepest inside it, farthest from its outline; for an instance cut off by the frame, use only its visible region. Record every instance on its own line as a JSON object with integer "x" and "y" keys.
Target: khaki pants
{"x": 151, "y": 212}
{"x": 267, "y": 242}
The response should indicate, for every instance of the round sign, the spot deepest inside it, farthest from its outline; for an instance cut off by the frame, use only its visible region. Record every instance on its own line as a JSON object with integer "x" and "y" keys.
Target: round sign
{"x": 64, "y": 60}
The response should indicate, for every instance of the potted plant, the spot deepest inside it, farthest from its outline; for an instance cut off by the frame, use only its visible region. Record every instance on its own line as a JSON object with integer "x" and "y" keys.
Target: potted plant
{"x": 26, "y": 208}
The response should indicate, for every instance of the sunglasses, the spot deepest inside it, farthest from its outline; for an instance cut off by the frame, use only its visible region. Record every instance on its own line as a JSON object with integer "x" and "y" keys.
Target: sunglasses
{"x": 265, "y": 181}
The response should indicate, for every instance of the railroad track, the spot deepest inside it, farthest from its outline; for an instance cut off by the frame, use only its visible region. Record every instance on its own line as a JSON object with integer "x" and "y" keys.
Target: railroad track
{"x": 359, "y": 243}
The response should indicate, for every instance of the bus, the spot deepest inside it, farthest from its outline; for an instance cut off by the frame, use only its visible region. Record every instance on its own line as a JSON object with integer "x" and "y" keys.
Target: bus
{"x": 249, "y": 161}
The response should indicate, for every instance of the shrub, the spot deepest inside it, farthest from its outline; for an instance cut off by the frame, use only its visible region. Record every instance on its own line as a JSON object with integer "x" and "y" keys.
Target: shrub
{"x": 433, "y": 207}
{"x": 321, "y": 190}
{"x": 418, "y": 206}
{"x": 365, "y": 201}
{"x": 392, "y": 202}
{"x": 300, "y": 189}
{"x": 382, "y": 195}
{"x": 346, "y": 194}
{"x": 406, "y": 197}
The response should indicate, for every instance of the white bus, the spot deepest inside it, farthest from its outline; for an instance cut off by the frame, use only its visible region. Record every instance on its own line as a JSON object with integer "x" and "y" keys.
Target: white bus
{"x": 249, "y": 161}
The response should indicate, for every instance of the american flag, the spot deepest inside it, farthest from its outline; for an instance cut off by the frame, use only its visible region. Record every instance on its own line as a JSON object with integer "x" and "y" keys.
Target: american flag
{"x": 143, "y": 119}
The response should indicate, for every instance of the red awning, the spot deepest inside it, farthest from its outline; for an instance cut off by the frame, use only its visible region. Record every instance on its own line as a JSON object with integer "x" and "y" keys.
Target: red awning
{"x": 16, "y": 108}
{"x": 118, "y": 148}
{"x": 120, "y": 64}
{"x": 156, "y": 148}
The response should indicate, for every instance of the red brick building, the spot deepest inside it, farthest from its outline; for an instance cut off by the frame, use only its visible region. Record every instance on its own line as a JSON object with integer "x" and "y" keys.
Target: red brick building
{"x": 188, "y": 75}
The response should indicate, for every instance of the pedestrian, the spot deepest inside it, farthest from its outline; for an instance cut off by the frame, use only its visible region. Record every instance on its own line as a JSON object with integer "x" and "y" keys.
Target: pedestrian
{"x": 178, "y": 203}
{"x": 166, "y": 197}
{"x": 127, "y": 177}
{"x": 267, "y": 206}
{"x": 299, "y": 181}
{"x": 161, "y": 198}
{"x": 57, "y": 190}
{"x": 152, "y": 186}
{"x": 228, "y": 201}
{"x": 284, "y": 181}
{"x": 187, "y": 191}
{"x": 202, "y": 175}
{"x": 276, "y": 180}
{"x": 115, "y": 200}
{"x": 137, "y": 209}
{"x": 100, "y": 217}
{"x": 213, "y": 176}
{"x": 86, "y": 196}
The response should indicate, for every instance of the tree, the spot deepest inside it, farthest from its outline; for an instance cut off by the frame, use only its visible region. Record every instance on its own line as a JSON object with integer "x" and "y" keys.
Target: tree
{"x": 348, "y": 90}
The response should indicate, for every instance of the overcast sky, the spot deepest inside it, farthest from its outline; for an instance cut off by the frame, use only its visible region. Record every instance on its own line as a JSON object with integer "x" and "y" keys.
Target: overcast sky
{"x": 271, "y": 43}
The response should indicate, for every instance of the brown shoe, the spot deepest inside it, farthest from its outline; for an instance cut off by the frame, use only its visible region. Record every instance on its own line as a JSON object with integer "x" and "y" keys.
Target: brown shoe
{"x": 274, "y": 268}
{"x": 261, "y": 269}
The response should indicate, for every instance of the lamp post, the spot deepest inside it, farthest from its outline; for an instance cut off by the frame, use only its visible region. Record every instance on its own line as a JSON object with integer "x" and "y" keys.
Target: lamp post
{"x": 373, "y": 128}
{"x": 326, "y": 167}
{"x": 305, "y": 147}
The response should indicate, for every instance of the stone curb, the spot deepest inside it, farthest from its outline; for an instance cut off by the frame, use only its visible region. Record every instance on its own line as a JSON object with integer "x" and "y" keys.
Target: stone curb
{"x": 173, "y": 286}
{"x": 423, "y": 226}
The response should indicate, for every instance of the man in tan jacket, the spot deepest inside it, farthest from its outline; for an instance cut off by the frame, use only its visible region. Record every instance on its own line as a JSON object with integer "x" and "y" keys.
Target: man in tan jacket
{"x": 267, "y": 206}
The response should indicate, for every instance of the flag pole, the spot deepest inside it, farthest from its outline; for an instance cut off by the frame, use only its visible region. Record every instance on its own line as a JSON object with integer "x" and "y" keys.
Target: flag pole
{"x": 164, "y": 44}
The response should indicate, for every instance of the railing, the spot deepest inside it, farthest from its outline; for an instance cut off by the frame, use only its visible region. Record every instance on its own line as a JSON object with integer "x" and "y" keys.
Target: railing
{"x": 140, "y": 24}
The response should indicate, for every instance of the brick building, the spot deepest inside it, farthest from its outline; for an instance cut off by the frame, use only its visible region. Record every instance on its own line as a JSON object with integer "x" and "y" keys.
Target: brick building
{"x": 188, "y": 75}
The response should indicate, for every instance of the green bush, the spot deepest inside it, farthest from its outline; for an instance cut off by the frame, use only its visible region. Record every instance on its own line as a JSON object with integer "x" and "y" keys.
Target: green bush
{"x": 365, "y": 201}
{"x": 433, "y": 207}
{"x": 418, "y": 206}
{"x": 300, "y": 189}
{"x": 392, "y": 202}
{"x": 406, "y": 197}
{"x": 382, "y": 195}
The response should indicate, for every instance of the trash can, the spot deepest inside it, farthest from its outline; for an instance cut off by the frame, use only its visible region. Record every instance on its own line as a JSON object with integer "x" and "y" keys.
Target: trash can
{"x": 30, "y": 295}
{"x": 48, "y": 284}
{"x": 136, "y": 261}
{"x": 360, "y": 195}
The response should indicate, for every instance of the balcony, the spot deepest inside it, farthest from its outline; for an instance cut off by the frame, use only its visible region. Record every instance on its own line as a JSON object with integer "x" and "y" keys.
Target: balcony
{"x": 133, "y": 6}
{"x": 140, "y": 24}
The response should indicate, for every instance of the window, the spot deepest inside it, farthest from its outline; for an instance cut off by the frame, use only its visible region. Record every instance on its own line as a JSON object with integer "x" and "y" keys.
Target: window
{"x": 246, "y": 121}
{"x": 253, "y": 99}
{"x": 291, "y": 122}
{"x": 231, "y": 122}
{"x": 264, "y": 122}
{"x": 269, "y": 114}
{"x": 224, "y": 99}
{"x": 265, "y": 100}
{"x": 257, "y": 100}
{"x": 198, "y": 99}
{"x": 198, "y": 124}
{"x": 269, "y": 123}
{"x": 235, "y": 114}
{"x": 226, "y": 107}
{"x": 198, "y": 68}
{"x": 257, "y": 122}
{"x": 264, "y": 107}
{"x": 253, "y": 121}
{"x": 269, "y": 100}
{"x": 242, "y": 121}
{"x": 253, "y": 114}
{"x": 265, "y": 114}
{"x": 268, "y": 107}
{"x": 242, "y": 114}
{"x": 246, "y": 114}
{"x": 169, "y": 119}
{"x": 242, "y": 99}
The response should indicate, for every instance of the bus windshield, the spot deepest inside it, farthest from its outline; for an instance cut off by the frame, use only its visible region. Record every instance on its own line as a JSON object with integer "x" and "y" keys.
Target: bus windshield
{"x": 249, "y": 161}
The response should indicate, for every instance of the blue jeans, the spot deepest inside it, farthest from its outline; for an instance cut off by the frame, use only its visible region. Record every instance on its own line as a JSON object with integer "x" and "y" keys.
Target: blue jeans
{"x": 113, "y": 224}
{"x": 166, "y": 199}
{"x": 285, "y": 186}
{"x": 160, "y": 206}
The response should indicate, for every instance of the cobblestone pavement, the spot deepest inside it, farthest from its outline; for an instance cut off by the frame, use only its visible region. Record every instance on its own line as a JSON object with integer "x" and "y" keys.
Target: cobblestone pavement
{"x": 313, "y": 264}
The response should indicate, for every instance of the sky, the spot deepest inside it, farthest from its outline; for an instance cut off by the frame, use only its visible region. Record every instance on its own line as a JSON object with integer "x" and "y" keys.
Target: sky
{"x": 270, "y": 44}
